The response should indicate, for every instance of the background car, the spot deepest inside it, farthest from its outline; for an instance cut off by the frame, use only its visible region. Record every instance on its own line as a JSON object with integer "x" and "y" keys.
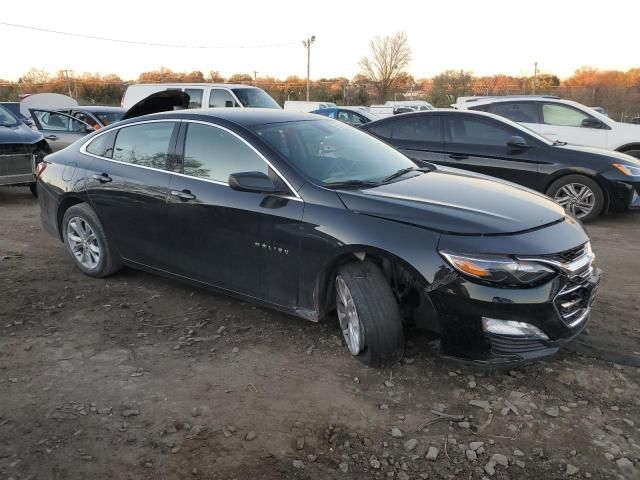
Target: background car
{"x": 14, "y": 107}
{"x": 59, "y": 129}
{"x": 21, "y": 150}
{"x": 350, "y": 115}
{"x": 562, "y": 120}
{"x": 585, "y": 181}
{"x": 310, "y": 216}
{"x": 95, "y": 115}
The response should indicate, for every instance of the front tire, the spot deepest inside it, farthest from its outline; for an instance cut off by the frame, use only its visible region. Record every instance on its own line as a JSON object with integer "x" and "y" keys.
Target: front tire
{"x": 87, "y": 243}
{"x": 369, "y": 316}
{"x": 579, "y": 195}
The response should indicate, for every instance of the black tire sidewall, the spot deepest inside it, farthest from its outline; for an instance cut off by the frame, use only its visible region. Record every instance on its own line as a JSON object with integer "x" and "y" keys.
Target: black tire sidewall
{"x": 584, "y": 180}
{"x": 105, "y": 264}
{"x": 378, "y": 313}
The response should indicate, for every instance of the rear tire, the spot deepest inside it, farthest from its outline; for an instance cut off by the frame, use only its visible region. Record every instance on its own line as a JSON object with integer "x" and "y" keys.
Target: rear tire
{"x": 568, "y": 191}
{"x": 86, "y": 241}
{"x": 378, "y": 317}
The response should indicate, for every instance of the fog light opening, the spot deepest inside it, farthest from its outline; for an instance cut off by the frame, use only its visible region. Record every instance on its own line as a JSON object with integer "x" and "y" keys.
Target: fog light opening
{"x": 511, "y": 327}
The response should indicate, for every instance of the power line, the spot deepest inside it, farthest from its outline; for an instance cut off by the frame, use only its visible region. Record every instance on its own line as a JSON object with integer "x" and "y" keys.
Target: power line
{"x": 147, "y": 44}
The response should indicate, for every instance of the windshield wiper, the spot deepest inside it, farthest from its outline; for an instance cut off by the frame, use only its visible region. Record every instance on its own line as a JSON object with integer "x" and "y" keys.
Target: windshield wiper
{"x": 402, "y": 171}
{"x": 352, "y": 184}
{"x": 559, "y": 143}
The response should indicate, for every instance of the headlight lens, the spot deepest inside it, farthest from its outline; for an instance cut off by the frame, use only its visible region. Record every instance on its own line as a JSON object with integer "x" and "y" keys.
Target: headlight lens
{"x": 498, "y": 269}
{"x": 628, "y": 170}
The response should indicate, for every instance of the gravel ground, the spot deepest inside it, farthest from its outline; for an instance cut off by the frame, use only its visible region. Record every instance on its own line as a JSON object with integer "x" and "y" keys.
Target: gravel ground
{"x": 139, "y": 377}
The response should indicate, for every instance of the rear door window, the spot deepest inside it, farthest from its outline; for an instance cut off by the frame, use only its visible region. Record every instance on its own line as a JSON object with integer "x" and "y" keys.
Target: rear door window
{"x": 418, "y": 129}
{"x": 221, "y": 98}
{"x": 195, "y": 97}
{"x": 522, "y": 112}
{"x": 146, "y": 144}
{"x": 474, "y": 131}
{"x": 382, "y": 130}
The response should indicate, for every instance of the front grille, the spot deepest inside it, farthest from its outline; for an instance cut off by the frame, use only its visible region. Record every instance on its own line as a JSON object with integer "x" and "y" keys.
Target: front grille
{"x": 511, "y": 345}
{"x": 15, "y": 149}
{"x": 568, "y": 255}
{"x": 572, "y": 303}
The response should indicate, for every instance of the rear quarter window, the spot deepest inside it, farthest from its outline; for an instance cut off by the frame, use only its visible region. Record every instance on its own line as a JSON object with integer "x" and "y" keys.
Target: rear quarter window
{"x": 382, "y": 130}
{"x": 102, "y": 146}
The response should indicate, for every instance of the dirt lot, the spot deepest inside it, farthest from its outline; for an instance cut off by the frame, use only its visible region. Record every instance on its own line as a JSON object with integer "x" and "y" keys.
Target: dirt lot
{"x": 136, "y": 376}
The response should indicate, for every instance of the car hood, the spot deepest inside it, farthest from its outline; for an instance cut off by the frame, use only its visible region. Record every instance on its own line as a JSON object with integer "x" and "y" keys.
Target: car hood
{"x": 458, "y": 202}
{"x": 607, "y": 155}
{"x": 19, "y": 133}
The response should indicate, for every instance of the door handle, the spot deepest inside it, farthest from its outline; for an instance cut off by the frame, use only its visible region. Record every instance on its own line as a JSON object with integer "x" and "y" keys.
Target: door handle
{"x": 184, "y": 195}
{"x": 51, "y": 137}
{"x": 101, "y": 177}
{"x": 458, "y": 156}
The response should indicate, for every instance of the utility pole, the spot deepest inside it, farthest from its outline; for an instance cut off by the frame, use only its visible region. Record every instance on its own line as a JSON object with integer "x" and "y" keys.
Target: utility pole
{"x": 307, "y": 44}
{"x": 535, "y": 76}
{"x": 255, "y": 78}
{"x": 66, "y": 74}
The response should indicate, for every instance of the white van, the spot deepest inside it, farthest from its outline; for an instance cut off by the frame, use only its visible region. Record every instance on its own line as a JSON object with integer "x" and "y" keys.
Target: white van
{"x": 302, "y": 106}
{"x": 204, "y": 95}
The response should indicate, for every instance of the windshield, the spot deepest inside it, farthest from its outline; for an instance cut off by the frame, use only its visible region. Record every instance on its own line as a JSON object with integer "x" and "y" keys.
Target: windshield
{"x": 255, "y": 98}
{"x": 331, "y": 152}
{"x": 6, "y": 118}
{"x": 107, "y": 118}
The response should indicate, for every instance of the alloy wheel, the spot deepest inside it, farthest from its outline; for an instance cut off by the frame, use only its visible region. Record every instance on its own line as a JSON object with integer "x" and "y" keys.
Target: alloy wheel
{"x": 83, "y": 243}
{"x": 348, "y": 317}
{"x": 576, "y": 198}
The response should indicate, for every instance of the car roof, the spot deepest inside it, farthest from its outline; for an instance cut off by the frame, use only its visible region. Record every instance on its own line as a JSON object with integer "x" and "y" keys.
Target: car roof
{"x": 95, "y": 108}
{"x": 201, "y": 84}
{"x": 240, "y": 116}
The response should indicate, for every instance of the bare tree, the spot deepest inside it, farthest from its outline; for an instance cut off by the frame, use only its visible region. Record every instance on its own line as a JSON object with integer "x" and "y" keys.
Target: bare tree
{"x": 389, "y": 57}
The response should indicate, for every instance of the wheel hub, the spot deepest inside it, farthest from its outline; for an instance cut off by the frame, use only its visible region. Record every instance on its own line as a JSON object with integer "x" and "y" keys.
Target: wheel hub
{"x": 576, "y": 198}
{"x": 83, "y": 243}
{"x": 350, "y": 324}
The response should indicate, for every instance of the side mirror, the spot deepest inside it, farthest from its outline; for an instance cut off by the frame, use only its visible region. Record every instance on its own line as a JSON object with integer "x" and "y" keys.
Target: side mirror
{"x": 517, "y": 143}
{"x": 89, "y": 129}
{"x": 252, "y": 182}
{"x": 591, "y": 123}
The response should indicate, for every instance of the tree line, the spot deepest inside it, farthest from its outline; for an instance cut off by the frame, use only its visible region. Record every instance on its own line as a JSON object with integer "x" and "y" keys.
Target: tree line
{"x": 383, "y": 76}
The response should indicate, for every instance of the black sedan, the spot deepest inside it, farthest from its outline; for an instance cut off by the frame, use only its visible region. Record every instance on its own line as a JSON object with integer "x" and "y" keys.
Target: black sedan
{"x": 587, "y": 182}
{"x": 308, "y": 215}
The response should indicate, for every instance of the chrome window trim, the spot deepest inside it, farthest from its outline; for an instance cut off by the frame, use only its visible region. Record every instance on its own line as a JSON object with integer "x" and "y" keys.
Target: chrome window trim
{"x": 83, "y": 150}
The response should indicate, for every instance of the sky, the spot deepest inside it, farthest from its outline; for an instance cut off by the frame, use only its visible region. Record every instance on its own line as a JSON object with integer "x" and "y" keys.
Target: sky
{"x": 486, "y": 37}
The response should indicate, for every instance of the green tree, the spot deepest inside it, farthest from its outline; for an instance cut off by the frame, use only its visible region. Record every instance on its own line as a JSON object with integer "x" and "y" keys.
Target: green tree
{"x": 449, "y": 85}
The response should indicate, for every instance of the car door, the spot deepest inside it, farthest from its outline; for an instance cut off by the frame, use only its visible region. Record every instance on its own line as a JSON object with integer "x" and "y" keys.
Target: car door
{"x": 568, "y": 124}
{"x": 59, "y": 129}
{"x": 479, "y": 144}
{"x": 419, "y": 137}
{"x": 128, "y": 184}
{"x": 245, "y": 242}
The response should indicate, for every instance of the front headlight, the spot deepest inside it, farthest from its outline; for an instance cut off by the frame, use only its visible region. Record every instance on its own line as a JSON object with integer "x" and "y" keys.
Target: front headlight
{"x": 498, "y": 268}
{"x": 628, "y": 170}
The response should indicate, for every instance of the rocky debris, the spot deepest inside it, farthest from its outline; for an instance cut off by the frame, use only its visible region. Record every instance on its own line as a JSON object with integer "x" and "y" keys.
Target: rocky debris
{"x": 518, "y": 453}
{"x": 300, "y": 443}
{"x": 484, "y": 404}
{"x": 520, "y": 463}
{"x": 464, "y": 425}
{"x": 375, "y": 463}
{"x": 104, "y": 411}
{"x": 571, "y": 470}
{"x": 609, "y": 456}
{"x": 573, "y": 453}
{"x": 490, "y": 468}
{"x": 614, "y": 430}
{"x": 251, "y": 435}
{"x": 130, "y": 412}
{"x": 476, "y": 445}
{"x": 432, "y": 453}
{"x": 471, "y": 455}
{"x": 312, "y": 458}
{"x": 500, "y": 459}
{"x": 344, "y": 467}
{"x": 389, "y": 384}
{"x": 356, "y": 380}
{"x": 384, "y": 406}
{"x": 403, "y": 475}
{"x": 410, "y": 444}
{"x": 235, "y": 350}
{"x": 552, "y": 411}
{"x": 624, "y": 463}
{"x": 298, "y": 464}
{"x": 196, "y": 412}
{"x": 396, "y": 433}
